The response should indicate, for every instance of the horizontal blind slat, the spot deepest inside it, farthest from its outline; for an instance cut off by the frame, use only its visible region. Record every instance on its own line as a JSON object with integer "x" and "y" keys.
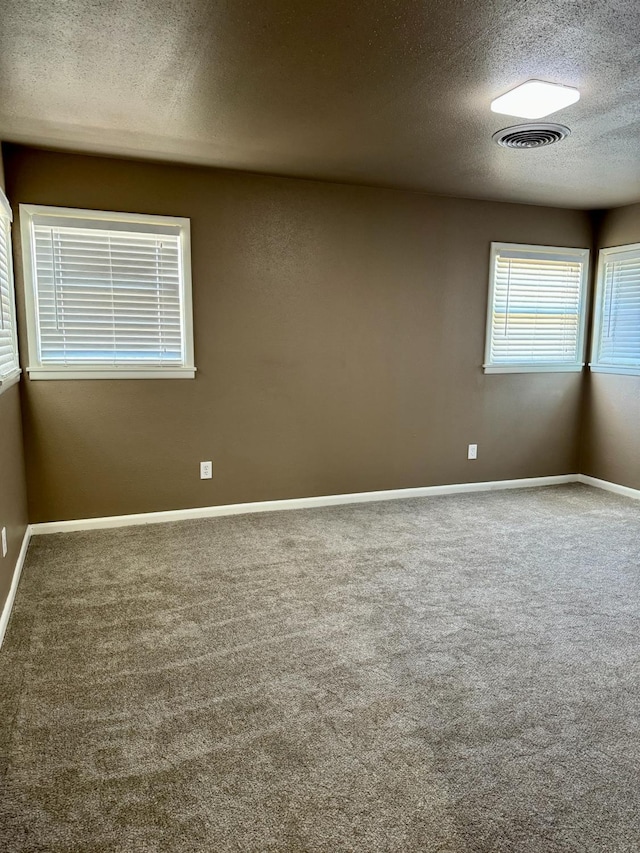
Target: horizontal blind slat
{"x": 536, "y": 308}
{"x": 8, "y": 351}
{"x": 108, "y": 296}
{"x": 619, "y": 329}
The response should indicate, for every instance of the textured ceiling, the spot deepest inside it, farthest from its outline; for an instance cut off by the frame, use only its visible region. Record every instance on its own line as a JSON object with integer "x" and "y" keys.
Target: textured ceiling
{"x": 386, "y": 92}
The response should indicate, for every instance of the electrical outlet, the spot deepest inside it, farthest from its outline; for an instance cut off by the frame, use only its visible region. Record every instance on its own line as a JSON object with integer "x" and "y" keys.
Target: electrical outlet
{"x": 4, "y": 541}
{"x": 472, "y": 452}
{"x": 206, "y": 470}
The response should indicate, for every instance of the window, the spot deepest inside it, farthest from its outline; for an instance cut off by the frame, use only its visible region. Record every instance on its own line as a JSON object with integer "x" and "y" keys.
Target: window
{"x": 108, "y": 294}
{"x": 9, "y": 365}
{"x": 616, "y": 333}
{"x": 536, "y": 314}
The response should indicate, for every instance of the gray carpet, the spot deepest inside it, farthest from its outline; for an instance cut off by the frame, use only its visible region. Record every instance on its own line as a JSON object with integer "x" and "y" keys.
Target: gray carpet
{"x": 444, "y": 675}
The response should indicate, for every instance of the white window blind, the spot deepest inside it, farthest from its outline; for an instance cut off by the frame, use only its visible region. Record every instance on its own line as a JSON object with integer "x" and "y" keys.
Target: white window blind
{"x": 9, "y": 366}
{"x": 617, "y": 325}
{"x": 108, "y": 294}
{"x": 536, "y": 308}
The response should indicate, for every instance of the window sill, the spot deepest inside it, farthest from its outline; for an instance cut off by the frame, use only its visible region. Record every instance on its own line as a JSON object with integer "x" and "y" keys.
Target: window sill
{"x": 9, "y": 380}
{"x": 110, "y": 373}
{"x": 620, "y": 369}
{"x": 533, "y": 368}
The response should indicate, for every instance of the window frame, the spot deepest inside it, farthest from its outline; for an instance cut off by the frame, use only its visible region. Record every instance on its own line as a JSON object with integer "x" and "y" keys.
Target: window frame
{"x": 13, "y": 376}
{"x": 582, "y": 256}
{"x": 598, "y": 313}
{"x": 76, "y": 217}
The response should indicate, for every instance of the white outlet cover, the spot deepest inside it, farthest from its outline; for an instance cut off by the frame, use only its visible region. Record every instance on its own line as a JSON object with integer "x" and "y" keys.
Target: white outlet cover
{"x": 4, "y": 541}
{"x": 206, "y": 470}
{"x": 473, "y": 451}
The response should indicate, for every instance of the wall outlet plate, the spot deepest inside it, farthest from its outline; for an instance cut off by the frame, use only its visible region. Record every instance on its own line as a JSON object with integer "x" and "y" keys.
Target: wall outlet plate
{"x": 472, "y": 452}
{"x": 206, "y": 470}
{"x": 4, "y": 541}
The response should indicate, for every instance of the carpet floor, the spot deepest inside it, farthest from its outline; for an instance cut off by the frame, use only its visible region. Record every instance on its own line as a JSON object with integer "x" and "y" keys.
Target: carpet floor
{"x": 448, "y": 675}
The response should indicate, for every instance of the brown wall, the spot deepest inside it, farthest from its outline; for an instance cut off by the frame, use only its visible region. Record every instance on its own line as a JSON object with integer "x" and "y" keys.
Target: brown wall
{"x": 611, "y": 431}
{"x": 339, "y": 335}
{"x": 13, "y": 498}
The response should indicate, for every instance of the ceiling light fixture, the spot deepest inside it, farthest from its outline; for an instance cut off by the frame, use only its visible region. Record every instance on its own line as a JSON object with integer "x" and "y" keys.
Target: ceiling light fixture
{"x": 535, "y": 99}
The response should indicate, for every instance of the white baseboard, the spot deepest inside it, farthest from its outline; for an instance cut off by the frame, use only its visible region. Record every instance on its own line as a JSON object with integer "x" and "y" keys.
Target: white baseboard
{"x": 8, "y": 605}
{"x": 293, "y": 503}
{"x": 626, "y": 491}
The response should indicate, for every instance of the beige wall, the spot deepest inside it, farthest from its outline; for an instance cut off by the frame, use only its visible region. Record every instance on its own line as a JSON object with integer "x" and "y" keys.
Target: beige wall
{"x": 13, "y": 500}
{"x": 611, "y": 431}
{"x": 339, "y": 335}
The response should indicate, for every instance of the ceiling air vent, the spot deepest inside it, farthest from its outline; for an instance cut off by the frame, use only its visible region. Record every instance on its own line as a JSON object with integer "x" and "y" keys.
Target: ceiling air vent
{"x": 531, "y": 135}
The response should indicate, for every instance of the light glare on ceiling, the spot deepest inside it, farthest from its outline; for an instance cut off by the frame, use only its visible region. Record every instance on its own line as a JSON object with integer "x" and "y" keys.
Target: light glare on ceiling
{"x": 535, "y": 99}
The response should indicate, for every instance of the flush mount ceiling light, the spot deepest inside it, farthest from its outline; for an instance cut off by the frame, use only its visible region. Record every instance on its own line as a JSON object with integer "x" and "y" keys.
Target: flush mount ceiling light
{"x": 535, "y": 99}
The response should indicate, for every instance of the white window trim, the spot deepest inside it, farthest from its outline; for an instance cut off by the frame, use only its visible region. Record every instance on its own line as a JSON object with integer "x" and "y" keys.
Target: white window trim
{"x": 535, "y": 367}
{"x": 594, "y": 365}
{"x": 8, "y": 381}
{"x": 11, "y": 378}
{"x": 539, "y": 367}
{"x": 35, "y": 369}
